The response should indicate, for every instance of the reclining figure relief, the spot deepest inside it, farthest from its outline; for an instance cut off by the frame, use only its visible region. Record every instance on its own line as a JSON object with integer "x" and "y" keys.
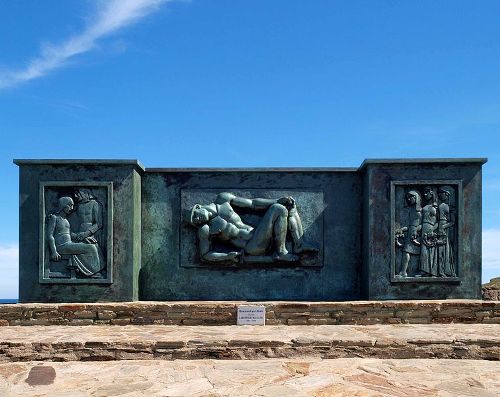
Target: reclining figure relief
{"x": 278, "y": 236}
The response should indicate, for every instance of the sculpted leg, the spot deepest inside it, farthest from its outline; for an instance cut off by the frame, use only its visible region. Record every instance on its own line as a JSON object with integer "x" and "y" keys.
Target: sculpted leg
{"x": 84, "y": 256}
{"x": 404, "y": 265}
{"x": 297, "y": 233}
{"x": 280, "y": 227}
{"x": 295, "y": 226}
{"x": 271, "y": 229}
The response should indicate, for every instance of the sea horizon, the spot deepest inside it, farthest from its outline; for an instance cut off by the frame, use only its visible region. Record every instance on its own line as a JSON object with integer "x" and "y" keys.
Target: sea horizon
{"x": 8, "y": 301}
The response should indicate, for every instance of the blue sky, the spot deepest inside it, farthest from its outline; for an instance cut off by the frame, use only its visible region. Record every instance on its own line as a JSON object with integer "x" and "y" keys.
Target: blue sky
{"x": 248, "y": 83}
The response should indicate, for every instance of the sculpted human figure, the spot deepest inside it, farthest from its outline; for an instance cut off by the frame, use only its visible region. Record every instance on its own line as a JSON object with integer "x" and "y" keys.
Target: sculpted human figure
{"x": 89, "y": 215}
{"x": 446, "y": 262}
{"x": 428, "y": 254}
{"x": 61, "y": 241}
{"x": 219, "y": 220}
{"x": 411, "y": 245}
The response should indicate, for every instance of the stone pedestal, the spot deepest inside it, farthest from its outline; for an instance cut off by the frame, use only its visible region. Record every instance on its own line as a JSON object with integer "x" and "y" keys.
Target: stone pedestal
{"x": 448, "y": 274}
{"x": 110, "y": 230}
{"x": 92, "y": 211}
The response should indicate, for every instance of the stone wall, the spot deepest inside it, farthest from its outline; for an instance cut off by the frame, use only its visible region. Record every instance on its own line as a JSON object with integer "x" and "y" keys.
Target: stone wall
{"x": 491, "y": 290}
{"x": 224, "y": 313}
{"x": 344, "y": 234}
{"x": 329, "y": 201}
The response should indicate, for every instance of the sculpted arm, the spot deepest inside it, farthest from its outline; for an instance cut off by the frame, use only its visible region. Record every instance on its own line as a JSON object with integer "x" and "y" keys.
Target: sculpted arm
{"x": 88, "y": 235}
{"x": 54, "y": 255}
{"x": 255, "y": 204}
{"x": 451, "y": 217}
{"x": 211, "y": 256}
{"x": 261, "y": 203}
{"x": 96, "y": 217}
{"x": 419, "y": 227}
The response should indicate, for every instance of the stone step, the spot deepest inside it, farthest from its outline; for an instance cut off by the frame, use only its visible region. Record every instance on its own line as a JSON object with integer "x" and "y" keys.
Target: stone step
{"x": 81, "y": 343}
{"x": 277, "y": 377}
{"x": 277, "y": 313}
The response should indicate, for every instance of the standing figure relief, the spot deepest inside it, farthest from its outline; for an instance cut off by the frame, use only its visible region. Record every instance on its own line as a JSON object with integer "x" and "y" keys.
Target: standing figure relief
{"x": 428, "y": 234}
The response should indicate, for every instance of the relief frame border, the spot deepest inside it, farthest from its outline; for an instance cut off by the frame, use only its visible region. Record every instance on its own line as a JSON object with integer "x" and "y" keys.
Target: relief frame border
{"x": 458, "y": 183}
{"x": 109, "y": 238}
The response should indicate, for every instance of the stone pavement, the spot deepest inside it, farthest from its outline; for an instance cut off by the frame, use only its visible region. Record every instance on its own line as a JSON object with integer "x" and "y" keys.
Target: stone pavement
{"x": 149, "y": 342}
{"x": 279, "y": 377}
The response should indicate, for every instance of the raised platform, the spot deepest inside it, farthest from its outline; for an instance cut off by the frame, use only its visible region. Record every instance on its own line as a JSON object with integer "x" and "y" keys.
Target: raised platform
{"x": 159, "y": 342}
{"x": 277, "y": 313}
{"x": 291, "y": 378}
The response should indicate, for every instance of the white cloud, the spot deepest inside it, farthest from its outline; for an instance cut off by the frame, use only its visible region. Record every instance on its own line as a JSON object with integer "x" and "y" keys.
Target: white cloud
{"x": 9, "y": 257}
{"x": 111, "y": 16}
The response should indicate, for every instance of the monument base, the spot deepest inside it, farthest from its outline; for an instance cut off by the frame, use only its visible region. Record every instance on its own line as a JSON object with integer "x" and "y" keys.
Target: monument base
{"x": 277, "y": 313}
{"x": 112, "y": 230}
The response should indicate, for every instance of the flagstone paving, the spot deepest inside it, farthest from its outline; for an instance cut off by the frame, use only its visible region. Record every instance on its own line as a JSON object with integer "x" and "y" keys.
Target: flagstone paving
{"x": 277, "y": 377}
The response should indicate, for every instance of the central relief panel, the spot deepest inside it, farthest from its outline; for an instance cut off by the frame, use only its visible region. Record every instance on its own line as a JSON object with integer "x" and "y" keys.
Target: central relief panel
{"x": 233, "y": 228}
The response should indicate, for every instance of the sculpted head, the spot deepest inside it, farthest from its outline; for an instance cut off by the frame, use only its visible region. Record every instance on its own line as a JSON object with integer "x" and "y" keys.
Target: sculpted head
{"x": 444, "y": 193}
{"x": 83, "y": 195}
{"x": 198, "y": 215}
{"x": 413, "y": 199}
{"x": 428, "y": 193}
{"x": 66, "y": 204}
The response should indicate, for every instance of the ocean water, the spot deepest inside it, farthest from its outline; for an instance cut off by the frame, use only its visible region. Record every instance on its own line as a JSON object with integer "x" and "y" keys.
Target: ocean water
{"x": 8, "y": 301}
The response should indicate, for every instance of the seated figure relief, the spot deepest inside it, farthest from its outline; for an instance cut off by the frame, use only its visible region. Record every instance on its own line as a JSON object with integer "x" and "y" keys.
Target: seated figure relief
{"x": 428, "y": 234}
{"x": 80, "y": 248}
{"x": 278, "y": 236}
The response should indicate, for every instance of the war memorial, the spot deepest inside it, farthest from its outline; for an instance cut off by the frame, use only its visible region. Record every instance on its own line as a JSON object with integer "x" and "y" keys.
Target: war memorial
{"x": 161, "y": 264}
{"x": 109, "y": 231}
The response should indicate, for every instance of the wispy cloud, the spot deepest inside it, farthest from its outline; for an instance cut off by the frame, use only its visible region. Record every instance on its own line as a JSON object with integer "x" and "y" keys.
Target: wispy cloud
{"x": 9, "y": 254}
{"x": 110, "y": 17}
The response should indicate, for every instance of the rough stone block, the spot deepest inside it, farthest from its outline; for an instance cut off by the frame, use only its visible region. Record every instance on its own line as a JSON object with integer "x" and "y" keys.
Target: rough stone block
{"x": 81, "y": 321}
{"x": 120, "y": 321}
{"x": 106, "y": 315}
{"x": 297, "y": 321}
{"x": 85, "y": 314}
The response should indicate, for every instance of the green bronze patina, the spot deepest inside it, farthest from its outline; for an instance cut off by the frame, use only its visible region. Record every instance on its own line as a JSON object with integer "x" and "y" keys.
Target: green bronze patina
{"x": 110, "y": 230}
